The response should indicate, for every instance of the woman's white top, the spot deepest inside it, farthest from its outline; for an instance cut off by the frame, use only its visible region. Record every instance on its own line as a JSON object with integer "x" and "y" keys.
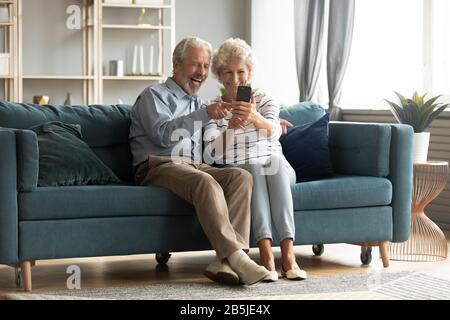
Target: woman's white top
{"x": 250, "y": 145}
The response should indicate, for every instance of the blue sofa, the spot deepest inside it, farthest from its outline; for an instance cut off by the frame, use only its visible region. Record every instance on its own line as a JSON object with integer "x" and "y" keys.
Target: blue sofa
{"x": 366, "y": 202}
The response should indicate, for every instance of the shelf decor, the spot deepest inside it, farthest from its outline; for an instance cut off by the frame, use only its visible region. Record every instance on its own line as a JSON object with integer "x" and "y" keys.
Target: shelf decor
{"x": 4, "y": 64}
{"x": 4, "y": 14}
{"x": 41, "y": 100}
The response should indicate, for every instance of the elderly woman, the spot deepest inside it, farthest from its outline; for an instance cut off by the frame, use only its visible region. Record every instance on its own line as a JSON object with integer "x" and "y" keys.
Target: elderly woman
{"x": 248, "y": 137}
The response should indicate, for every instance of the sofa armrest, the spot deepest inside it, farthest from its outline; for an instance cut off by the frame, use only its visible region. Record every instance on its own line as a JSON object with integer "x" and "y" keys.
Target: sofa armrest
{"x": 382, "y": 150}
{"x": 401, "y": 176}
{"x": 8, "y": 197}
{"x": 27, "y": 160}
{"x": 360, "y": 148}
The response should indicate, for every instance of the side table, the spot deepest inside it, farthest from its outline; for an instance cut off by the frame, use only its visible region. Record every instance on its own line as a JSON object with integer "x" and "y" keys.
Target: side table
{"x": 426, "y": 242}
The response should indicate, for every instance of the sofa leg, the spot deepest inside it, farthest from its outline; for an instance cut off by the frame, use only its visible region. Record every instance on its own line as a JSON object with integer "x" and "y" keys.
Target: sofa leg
{"x": 25, "y": 267}
{"x": 383, "y": 246}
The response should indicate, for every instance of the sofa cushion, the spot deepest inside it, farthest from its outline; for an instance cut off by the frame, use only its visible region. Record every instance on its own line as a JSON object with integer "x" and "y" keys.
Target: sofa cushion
{"x": 342, "y": 192}
{"x": 64, "y": 159}
{"x": 121, "y": 201}
{"x": 105, "y": 128}
{"x": 100, "y": 201}
{"x": 102, "y": 125}
{"x": 302, "y": 113}
{"x": 306, "y": 149}
{"x": 360, "y": 148}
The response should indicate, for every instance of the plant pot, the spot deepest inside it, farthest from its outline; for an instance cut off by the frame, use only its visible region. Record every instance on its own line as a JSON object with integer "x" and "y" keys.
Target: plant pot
{"x": 420, "y": 147}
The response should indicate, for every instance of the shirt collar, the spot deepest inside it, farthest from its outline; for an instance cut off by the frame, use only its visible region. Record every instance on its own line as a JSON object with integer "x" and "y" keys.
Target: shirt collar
{"x": 177, "y": 90}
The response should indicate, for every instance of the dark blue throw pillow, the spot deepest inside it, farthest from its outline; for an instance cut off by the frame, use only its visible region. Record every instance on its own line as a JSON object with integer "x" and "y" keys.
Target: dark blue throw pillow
{"x": 306, "y": 149}
{"x": 65, "y": 159}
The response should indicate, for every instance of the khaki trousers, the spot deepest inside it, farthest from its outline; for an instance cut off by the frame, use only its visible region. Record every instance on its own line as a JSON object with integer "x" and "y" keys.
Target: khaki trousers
{"x": 221, "y": 197}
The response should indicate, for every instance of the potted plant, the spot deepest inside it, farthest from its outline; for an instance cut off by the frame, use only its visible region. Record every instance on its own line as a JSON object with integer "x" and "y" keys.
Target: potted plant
{"x": 419, "y": 114}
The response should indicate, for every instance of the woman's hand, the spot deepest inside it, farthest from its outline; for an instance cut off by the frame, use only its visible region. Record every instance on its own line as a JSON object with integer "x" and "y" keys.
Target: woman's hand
{"x": 236, "y": 123}
{"x": 245, "y": 111}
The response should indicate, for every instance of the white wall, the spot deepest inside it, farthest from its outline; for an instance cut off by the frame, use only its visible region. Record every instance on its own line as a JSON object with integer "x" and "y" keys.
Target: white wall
{"x": 214, "y": 21}
{"x": 49, "y": 48}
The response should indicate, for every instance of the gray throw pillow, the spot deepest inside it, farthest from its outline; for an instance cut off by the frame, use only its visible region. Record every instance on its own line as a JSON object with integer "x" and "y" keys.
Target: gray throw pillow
{"x": 64, "y": 159}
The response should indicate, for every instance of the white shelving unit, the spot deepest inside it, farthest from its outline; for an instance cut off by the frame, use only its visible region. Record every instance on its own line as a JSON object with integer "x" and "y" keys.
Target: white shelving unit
{"x": 159, "y": 30}
{"x": 96, "y": 83}
{"x": 9, "y": 31}
{"x": 85, "y": 80}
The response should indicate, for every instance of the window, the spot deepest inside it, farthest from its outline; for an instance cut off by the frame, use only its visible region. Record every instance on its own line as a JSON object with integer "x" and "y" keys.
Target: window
{"x": 437, "y": 48}
{"x": 401, "y": 45}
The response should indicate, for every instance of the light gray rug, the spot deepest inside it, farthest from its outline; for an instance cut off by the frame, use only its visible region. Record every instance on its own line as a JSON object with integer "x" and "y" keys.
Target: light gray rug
{"x": 417, "y": 286}
{"x": 399, "y": 285}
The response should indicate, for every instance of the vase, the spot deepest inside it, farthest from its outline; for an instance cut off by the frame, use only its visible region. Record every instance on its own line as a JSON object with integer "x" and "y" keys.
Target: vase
{"x": 68, "y": 101}
{"x": 420, "y": 147}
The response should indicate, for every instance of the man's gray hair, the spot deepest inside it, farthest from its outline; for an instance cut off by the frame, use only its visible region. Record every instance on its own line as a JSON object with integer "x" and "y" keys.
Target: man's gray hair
{"x": 180, "y": 50}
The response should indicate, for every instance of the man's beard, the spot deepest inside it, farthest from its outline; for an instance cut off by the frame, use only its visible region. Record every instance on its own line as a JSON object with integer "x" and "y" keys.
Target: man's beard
{"x": 189, "y": 87}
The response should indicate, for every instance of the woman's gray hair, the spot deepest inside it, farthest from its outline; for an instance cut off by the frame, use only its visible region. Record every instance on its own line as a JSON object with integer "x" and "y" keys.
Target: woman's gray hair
{"x": 229, "y": 49}
{"x": 180, "y": 50}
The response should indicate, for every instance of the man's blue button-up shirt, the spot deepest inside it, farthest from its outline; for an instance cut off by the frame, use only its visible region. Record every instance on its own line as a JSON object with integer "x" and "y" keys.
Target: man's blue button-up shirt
{"x": 165, "y": 119}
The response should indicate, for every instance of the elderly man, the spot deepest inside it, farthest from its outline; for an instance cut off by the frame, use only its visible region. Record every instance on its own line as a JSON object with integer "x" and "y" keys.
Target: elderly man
{"x": 221, "y": 196}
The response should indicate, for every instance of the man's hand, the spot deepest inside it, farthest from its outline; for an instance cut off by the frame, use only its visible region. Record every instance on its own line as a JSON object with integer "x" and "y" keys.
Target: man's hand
{"x": 218, "y": 110}
{"x": 285, "y": 125}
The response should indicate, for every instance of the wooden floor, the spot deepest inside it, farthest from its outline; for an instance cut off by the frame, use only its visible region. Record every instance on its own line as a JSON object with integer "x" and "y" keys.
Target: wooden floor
{"x": 187, "y": 266}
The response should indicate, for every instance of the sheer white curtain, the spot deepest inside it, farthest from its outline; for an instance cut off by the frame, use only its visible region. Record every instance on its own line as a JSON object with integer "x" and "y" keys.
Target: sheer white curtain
{"x": 437, "y": 48}
{"x": 401, "y": 45}
{"x": 272, "y": 39}
{"x": 387, "y": 52}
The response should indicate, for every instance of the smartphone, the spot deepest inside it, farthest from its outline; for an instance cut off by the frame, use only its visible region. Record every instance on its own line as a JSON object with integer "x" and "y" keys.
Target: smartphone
{"x": 244, "y": 93}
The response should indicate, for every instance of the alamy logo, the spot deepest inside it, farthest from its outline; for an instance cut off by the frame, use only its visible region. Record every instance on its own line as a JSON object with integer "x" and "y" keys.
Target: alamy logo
{"x": 73, "y": 21}
{"x": 74, "y": 280}
{"x": 240, "y": 149}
